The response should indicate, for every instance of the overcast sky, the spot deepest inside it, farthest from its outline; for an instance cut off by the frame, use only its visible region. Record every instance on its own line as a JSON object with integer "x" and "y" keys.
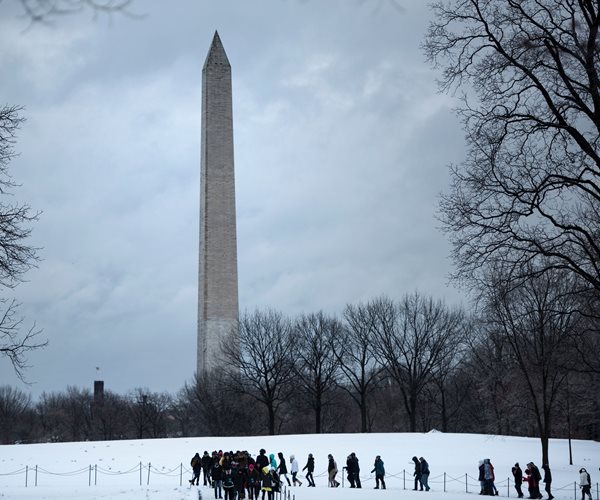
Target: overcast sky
{"x": 342, "y": 144}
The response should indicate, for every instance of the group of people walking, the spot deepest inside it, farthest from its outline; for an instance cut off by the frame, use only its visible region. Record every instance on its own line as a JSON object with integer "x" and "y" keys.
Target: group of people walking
{"x": 421, "y": 474}
{"x": 533, "y": 478}
{"x": 238, "y": 475}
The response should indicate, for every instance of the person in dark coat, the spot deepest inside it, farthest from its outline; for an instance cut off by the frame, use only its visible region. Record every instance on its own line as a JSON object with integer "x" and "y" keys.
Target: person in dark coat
{"x": 379, "y": 471}
{"x": 228, "y": 484}
{"x": 206, "y": 462}
{"x": 548, "y": 480}
{"x": 310, "y": 468}
{"x": 262, "y": 461}
{"x": 253, "y": 482}
{"x": 424, "y": 473}
{"x": 533, "y": 479}
{"x": 196, "y": 464}
{"x": 240, "y": 478}
{"x": 353, "y": 468}
{"x": 417, "y": 474}
{"x": 216, "y": 473}
{"x": 267, "y": 483}
{"x": 282, "y": 468}
{"x": 518, "y": 476}
{"x": 350, "y": 471}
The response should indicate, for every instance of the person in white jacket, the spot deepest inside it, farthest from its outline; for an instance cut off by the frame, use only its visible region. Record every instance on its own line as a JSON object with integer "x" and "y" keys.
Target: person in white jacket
{"x": 585, "y": 483}
{"x": 294, "y": 468}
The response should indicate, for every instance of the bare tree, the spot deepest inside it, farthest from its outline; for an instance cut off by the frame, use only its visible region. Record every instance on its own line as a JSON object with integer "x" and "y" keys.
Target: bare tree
{"x": 16, "y": 256}
{"x": 209, "y": 406}
{"x": 148, "y": 412}
{"x": 46, "y": 11}
{"x": 315, "y": 360}
{"x": 530, "y": 184}
{"x": 413, "y": 339}
{"x": 535, "y": 321}
{"x": 14, "y": 406}
{"x": 358, "y": 364}
{"x": 110, "y": 420}
{"x": 258, "y": 360}
{"x": 66, "y": 416}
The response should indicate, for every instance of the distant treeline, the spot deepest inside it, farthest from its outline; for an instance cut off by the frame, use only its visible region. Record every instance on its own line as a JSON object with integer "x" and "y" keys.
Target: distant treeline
{"x": 525, "y": 362}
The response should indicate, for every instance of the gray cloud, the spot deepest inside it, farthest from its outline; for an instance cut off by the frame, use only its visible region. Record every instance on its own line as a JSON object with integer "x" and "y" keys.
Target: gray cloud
{"x": 341, "y": 145}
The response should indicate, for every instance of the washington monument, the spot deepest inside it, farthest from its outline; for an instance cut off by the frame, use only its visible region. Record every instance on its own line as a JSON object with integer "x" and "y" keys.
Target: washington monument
{"x": 217, "y": 275}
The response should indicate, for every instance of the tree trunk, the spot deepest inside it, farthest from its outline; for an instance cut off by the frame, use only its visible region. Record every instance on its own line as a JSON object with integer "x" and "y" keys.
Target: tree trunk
{"x": 271, "y": 419}
{"x": 363, "y": 412}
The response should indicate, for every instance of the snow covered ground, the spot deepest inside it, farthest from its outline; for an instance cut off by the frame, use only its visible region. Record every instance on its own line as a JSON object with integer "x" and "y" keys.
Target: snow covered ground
{"x": 159, "y": 469}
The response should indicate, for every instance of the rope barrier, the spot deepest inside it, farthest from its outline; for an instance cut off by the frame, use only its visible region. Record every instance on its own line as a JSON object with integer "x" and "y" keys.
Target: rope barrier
{"x": 179, "y": 470}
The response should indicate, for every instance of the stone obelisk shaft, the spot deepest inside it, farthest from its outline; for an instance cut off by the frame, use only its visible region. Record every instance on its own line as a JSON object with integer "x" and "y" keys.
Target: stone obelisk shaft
{"x": 218, "y": 284}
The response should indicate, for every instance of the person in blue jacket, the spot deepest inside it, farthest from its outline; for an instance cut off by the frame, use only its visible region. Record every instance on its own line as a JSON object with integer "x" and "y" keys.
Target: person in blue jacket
{"x": 379, "y": 471}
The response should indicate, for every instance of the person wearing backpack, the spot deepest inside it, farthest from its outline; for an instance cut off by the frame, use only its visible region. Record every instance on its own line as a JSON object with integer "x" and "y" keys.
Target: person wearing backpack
{"x": 196, "y": 464}
{"x": 585, "y": 483}
{"x": 228, "y": 485}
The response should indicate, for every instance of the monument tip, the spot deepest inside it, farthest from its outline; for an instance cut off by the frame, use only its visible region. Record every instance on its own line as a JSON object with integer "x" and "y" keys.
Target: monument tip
{"x": 216, "y": 53}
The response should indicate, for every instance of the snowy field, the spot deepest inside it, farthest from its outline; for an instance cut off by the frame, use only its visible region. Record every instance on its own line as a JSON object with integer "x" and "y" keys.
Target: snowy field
{"x": 159, "y": 469}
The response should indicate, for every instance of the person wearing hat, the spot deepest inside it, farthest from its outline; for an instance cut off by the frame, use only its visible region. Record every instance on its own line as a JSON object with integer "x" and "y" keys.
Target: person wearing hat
{"x": 379, "y": 471}
{"x": 294, "y": 470}
{"x": 332, "y": 470}
{"x": 585, "y": 483}
{"x": 518, "y": 476}
{"x": 533, "y": 478}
